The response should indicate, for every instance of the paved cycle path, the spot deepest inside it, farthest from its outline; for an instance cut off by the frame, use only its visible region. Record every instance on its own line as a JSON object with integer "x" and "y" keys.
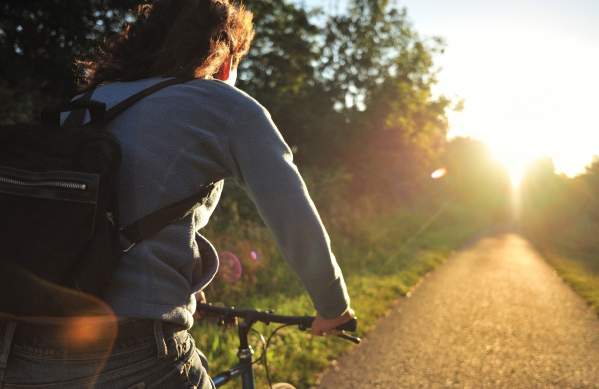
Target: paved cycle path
{"x": 494, "y": 316}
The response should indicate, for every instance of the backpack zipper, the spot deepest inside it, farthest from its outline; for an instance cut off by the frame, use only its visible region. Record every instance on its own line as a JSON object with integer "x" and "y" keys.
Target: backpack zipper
{"x": 47, "y": 183}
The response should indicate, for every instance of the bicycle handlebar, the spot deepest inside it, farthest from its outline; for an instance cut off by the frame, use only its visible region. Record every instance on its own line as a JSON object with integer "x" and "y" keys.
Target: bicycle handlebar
{"x": 267, "y": 317}
{"x": 229, "y": 315}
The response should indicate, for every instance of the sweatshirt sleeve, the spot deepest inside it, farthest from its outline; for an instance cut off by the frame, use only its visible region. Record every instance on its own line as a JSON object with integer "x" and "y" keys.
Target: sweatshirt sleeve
{"x": 265, "y": 168}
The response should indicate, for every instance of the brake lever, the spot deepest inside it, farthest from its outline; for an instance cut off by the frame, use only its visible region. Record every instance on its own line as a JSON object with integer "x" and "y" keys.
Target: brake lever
{"x": 351, "y": 338}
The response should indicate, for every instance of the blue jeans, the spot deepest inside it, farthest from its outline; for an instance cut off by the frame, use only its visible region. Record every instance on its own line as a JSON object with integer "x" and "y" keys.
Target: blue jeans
{"x": 80, "y": 353}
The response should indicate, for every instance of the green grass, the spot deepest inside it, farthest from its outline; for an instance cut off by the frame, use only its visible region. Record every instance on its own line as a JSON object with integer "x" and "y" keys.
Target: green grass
{"x": 296, "y": 356}
{"x": 382, "y": 257}
{"x": 579, "y": 270}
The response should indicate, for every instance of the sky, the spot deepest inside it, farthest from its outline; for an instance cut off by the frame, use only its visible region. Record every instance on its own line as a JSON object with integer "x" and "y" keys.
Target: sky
{"x": 527, "y": 71}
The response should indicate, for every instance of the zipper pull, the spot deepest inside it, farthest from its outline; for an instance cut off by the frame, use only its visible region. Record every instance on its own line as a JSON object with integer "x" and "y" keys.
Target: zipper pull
{"x": 110, "y": 217}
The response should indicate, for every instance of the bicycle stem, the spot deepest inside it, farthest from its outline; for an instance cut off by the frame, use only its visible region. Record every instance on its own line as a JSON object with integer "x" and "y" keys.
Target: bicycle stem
{"x": 245, "y": 354}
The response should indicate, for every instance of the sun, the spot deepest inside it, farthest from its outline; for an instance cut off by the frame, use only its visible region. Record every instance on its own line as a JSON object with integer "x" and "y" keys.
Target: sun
{"x": 516, "y": 164}
{"x": 518, "y": 150}
{"x": 524, "y": 99}
{"x": 515, "y": 151}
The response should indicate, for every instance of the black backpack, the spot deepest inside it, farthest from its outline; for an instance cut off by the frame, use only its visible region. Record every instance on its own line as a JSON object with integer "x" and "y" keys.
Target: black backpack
{"x": 60, "y": 238}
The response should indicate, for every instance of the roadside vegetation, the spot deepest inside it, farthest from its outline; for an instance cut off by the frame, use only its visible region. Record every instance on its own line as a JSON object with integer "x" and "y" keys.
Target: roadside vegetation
{"x": 561, "y": 216}
{"x": 383, "y": 255}
{"x": 579, "y": 271}
{"x": 384, "y": 249}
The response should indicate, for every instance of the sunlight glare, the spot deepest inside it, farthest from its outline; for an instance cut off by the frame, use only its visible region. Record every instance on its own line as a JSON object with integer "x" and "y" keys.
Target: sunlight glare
{"x": 527, "y": 96}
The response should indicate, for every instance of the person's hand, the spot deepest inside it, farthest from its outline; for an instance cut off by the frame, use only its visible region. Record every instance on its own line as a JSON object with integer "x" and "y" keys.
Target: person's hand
{"x": 200, "y": 298}
{"x": 322, "y": 326}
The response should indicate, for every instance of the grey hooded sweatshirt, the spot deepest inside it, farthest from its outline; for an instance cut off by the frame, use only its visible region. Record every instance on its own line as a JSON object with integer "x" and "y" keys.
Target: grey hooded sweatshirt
{"x": 178, "y": 140}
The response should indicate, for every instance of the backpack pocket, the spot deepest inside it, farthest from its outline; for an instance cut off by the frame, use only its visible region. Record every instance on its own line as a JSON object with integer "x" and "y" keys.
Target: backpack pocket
{"x": 46, "y": 219}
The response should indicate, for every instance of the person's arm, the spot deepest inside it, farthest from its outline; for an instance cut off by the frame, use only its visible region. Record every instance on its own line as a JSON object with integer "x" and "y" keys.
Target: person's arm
{"x": 264, "y": 166}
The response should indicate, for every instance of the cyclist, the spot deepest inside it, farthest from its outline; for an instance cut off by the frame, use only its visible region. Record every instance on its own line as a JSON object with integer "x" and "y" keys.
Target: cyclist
{"x": 174, "y": 142}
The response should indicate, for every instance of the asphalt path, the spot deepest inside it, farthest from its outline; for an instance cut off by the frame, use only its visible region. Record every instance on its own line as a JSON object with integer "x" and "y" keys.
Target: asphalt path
{"x": 494, "y": 316}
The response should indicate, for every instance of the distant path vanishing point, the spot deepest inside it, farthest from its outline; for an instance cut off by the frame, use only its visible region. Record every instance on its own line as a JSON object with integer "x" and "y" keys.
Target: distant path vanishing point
{"x": 494, "y": 316}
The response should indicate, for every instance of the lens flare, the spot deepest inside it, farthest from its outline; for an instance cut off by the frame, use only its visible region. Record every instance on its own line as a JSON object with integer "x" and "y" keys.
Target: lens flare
{"x": 439, "y": 173}
{"x": 230, "y": 267}
{"x": 82, "y": 331}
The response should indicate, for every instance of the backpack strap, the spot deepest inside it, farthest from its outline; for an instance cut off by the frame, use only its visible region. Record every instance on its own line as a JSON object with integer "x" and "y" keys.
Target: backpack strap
{"x": 78, "y": 108}
{"x": 151, "y": 224}
{"x": 128, "y": 102}
{"x": 99, "y": 114}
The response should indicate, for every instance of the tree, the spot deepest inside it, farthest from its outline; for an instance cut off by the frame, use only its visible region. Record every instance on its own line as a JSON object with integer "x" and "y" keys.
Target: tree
{"x": 382, "y": 73}
{"x": 361, "y": 78}
{"x": 476, "y": 181}
{"x": 559, "y": 210}
{"x": 38, "y": 43}
{"x": 280, "y": 72}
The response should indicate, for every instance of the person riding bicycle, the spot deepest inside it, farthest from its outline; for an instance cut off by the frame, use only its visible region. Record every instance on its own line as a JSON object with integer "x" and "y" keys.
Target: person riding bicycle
{"x": 174, "y": 142}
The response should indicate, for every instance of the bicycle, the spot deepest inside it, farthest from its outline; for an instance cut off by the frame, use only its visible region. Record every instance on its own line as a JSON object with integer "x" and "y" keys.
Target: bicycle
{"x": 249, "y": 317}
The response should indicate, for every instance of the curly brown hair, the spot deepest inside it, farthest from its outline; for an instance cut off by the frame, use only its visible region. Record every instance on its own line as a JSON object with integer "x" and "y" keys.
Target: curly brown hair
{"x": 181, "y": 38}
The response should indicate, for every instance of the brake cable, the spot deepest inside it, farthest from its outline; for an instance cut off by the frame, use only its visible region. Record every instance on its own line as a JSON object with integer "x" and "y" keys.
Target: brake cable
{"x": 265, "y": 352}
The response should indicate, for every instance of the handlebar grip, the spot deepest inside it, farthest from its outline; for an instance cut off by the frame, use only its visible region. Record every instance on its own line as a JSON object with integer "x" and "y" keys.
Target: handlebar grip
{"x": 351, "y": 326}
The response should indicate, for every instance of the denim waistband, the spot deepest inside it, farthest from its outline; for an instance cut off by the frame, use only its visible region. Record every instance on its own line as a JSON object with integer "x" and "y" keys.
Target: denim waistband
{"x": 85, "y": 335}
{"x": 56, "y": 355}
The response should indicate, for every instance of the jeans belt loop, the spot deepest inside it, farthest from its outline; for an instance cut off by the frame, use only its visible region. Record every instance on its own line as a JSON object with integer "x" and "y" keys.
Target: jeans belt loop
{"x": 6, "y": 336}
{"x": 160, "y": 341}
